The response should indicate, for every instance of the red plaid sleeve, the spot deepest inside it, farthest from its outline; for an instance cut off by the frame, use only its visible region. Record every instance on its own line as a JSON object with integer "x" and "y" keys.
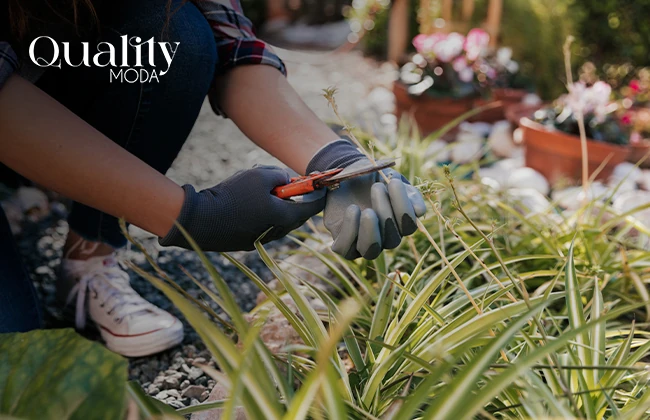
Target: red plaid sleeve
{"x": 8, "y": 62}
{"x": 236, "y": 41}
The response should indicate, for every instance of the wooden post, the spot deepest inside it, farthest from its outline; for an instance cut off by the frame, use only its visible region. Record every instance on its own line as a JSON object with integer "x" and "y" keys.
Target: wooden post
{"x": 446, "y": 12}
{"x": 468, "y": 10}
{"x": 493, "y": 20}
{"x": 398, "y": 30}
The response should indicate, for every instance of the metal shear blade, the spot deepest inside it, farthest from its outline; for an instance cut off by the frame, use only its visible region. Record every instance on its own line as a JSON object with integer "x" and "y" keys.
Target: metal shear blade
{"x": 365, "y": 170}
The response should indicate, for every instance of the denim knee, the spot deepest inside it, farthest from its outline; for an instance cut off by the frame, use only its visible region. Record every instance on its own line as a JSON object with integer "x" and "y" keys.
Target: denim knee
{"x": 196, "y": 56}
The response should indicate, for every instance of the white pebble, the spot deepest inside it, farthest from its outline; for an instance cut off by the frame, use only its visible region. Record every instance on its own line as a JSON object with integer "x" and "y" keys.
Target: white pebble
{"x": 571, "y": 198}
{"x": 479, "y": 128}
{"x": 629, "y": 201}
{"x": 530, "y": 201}
{"x": 500, "y": 139}
{"x": 466, "y": 151}
{"x": 438, "y": 151}
{"x": 468, "y": 136}
{"x": 627, "y": 171}
{"x": 644, "y": 180}
{"x": 528, "y": 178}
{"x": 32, "y": 199}
{"x": 632, "y": 199}
{"x": 510, "y": 164}
{"x": 494, "y": 173}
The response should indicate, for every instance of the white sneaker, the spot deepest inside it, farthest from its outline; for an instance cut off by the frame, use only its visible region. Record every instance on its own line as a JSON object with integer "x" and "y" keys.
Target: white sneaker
{"x": 129, "y": 324}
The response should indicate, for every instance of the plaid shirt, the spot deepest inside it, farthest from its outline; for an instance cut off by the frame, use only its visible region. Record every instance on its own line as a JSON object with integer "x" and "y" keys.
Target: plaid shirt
{"x": 233, "y": 32}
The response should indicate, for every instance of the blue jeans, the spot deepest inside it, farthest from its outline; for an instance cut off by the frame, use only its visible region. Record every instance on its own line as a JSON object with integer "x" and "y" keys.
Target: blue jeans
{"x": 150, "y": 120}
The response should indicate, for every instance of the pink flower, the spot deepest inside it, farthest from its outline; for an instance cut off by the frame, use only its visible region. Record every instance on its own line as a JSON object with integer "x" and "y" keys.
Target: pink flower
{"x": 466, "y": 74}
{"x": 424, "y": 43}
{"x": 449, "y": 48}
{"x": 635, "y": 85}
{"x": 476, "y": 42}
{"x": 626, "y": 119}
{"x": 601, "y": 92}
{"x": 459, "y": 64}
{"x": 583, "y": 100}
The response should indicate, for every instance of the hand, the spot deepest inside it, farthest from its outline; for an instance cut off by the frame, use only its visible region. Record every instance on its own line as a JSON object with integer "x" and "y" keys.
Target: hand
{"x": 233, "y": 214}
{"x": 365, "y": 214}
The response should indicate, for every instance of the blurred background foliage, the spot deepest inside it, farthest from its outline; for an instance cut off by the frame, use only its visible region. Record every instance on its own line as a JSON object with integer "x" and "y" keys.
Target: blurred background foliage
{"x": 607, "y": 32}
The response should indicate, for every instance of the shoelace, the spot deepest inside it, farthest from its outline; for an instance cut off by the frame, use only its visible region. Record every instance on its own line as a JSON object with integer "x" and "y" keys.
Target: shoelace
{"x": 114, "y": 284}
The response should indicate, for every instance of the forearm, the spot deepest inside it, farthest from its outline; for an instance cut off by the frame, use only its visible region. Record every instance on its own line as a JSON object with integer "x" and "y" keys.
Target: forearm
{"x": 268, "y": 110}
{"x": 43, "y": 141}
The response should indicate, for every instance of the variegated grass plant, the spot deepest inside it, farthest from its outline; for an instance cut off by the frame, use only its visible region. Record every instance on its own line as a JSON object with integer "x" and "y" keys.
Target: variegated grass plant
{"x": 511, "y": 315}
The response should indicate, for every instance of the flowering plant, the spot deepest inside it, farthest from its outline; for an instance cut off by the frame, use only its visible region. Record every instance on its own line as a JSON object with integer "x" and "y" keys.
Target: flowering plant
{"x": 630, "y": 85}
{"x": 506, "y": 71}
{"x": 449, "y": 65}
{"x": 594, "y": 103}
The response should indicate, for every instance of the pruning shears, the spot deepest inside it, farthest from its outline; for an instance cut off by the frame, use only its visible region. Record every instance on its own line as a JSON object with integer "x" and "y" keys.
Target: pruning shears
{"x": 328, "y": 179}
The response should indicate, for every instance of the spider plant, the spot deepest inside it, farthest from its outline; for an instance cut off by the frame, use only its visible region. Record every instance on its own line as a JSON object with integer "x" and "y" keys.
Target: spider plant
{"x": 510, "y": 315}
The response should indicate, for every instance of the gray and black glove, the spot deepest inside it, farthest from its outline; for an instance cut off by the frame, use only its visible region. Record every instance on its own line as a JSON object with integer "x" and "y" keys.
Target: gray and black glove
{"x": 365, "y": 215}
{"x": 233, "y": 214}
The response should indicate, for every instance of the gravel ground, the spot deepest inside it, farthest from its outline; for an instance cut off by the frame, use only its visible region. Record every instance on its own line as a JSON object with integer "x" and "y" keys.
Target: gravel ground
{"x": 215, "y": 150}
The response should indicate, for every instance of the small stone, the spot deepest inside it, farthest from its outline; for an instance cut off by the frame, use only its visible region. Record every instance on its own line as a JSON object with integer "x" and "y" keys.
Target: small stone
{"x": 175, "y": 404}
{"x": 627, "y": 171}
{"x": 190, "y": 349}
{"x": 193, "y": 391}
{"x": 218, "y": 393}
{"x": 170, "y": 383}
{"x": 500, "y": 139}
{"x": 162, "y": 395}
{"x": 33, "y": 201}
{"x": 438, "y": 151}
{"x": 199, "y": 360}
{"x": 204, "y": 396}
{"x": 467, "y": 150}
{"x": 43, "y": 270}
{"x": 153, "y": 390}
{"x": 194, "y": 373}
{"x": 173, "y": 393}
{"x": 528, "y": 178}
{"x": 185, "y": 384}
{"x": 194, "y": 401}
{"x": 529, "y": 201}
{"x": 172, "y": 372}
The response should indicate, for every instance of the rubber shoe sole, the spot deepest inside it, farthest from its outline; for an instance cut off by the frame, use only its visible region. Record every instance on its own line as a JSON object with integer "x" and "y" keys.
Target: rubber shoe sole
{"x": 144, "y": 344}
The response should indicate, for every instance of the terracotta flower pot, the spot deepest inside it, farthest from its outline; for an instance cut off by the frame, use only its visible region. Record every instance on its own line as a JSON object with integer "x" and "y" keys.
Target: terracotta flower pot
{"x": 639, "y": 151}
{"x": 558, "y": 155}
{"x": 507, "y": 97}
{"x": 433, "y": 113}
{"x": 515, "y": 112}
{"x": 430, "y": 113}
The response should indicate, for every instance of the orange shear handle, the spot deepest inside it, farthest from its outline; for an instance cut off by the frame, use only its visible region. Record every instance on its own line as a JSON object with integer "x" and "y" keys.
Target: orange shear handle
{"x": 303, "y": 184}
{"x": 297, "y": 186}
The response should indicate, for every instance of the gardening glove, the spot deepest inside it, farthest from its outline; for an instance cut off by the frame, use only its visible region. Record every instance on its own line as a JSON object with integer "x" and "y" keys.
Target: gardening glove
{"x": 232, "y": 215}
{"x": 365, "y": 215}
